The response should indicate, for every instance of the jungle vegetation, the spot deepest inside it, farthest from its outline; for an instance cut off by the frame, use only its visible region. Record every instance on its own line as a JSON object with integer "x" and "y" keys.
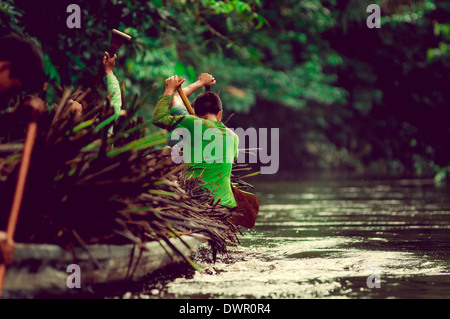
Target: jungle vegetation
{"x": 345, "y": 97}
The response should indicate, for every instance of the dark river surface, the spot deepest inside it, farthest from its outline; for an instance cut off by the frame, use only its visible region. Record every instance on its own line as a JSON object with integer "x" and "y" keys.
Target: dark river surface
{"x": 334, "y": 239}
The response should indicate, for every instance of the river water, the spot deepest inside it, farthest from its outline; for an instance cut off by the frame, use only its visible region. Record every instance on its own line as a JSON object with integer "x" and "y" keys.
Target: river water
{"x": 333, "y": 239}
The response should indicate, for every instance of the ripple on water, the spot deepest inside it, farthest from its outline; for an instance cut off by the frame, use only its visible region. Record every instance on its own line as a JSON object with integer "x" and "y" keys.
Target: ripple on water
{"x": 302, "y": 269}
{"x": 326, "y": 239}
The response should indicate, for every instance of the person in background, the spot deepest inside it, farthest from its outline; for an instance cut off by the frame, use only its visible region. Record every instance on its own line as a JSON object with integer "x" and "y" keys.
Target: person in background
{"x": 113, "y": 87}
{"x": 21, "y": 68}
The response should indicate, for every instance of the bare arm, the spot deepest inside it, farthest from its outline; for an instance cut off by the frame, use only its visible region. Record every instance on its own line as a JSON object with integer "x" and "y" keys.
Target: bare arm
{"x": 204, "y": 79}
{"x": 109, "y": 63}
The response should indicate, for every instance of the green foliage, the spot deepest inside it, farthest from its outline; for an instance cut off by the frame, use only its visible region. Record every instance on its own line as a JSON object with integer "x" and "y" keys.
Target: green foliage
{"x": 10, "y": 17}
{"x": 238, "y": 41}
{"x": 367, "y": 92}
{"x": 442, "y": 31}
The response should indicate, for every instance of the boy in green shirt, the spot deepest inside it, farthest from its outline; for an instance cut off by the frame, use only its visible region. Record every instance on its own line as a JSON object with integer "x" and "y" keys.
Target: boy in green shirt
{"x": 202, "y": 133}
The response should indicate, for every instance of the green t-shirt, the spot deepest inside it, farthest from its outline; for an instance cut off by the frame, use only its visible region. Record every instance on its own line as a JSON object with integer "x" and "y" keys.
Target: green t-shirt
{"x": 113, "y": 86}
{"x": 209, "y": 152}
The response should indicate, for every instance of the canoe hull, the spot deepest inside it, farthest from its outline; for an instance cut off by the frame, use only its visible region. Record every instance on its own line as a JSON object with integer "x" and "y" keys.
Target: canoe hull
{"x": 42, "y": 269}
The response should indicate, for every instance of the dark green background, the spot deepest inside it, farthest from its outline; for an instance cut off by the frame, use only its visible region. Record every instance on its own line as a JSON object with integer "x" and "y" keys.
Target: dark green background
{"x": 345, "y": 97}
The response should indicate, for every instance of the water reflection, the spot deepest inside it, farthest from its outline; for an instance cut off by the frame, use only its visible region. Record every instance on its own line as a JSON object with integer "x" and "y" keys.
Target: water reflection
{"x": 324, "y": 239}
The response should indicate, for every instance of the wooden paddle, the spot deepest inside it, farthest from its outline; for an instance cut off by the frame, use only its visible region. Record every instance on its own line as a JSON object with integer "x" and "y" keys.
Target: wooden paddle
{"x": 37, "y": 106}
{"x": 247, "y": 203}
{"x": 118, "y": 39}
{"x": 247, "y": 208}
{"x": 185, "y": 100}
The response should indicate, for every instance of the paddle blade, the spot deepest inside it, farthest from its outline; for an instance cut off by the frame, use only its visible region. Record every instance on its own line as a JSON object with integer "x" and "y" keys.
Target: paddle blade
{"x": 246, "y": 210}
{"x": 117, "y": 40}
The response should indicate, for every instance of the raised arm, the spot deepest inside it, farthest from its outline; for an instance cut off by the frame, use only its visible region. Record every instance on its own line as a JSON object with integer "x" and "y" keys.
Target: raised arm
{"x": 112, "y": 83}
{"x": 203, "y": 79}
{"x": 161, "y": 115}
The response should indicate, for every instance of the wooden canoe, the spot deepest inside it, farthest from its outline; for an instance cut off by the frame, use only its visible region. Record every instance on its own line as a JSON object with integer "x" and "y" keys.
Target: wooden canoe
{"x": 41, "y": 270}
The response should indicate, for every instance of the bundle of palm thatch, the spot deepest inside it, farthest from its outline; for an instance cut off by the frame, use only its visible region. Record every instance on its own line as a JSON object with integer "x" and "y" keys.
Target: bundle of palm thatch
{"x": 86, "y": 185}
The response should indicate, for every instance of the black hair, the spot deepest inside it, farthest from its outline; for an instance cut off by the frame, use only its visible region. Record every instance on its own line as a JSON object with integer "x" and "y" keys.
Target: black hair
{"x": 207, "y": 102}
{"x": 27, "y": 63}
